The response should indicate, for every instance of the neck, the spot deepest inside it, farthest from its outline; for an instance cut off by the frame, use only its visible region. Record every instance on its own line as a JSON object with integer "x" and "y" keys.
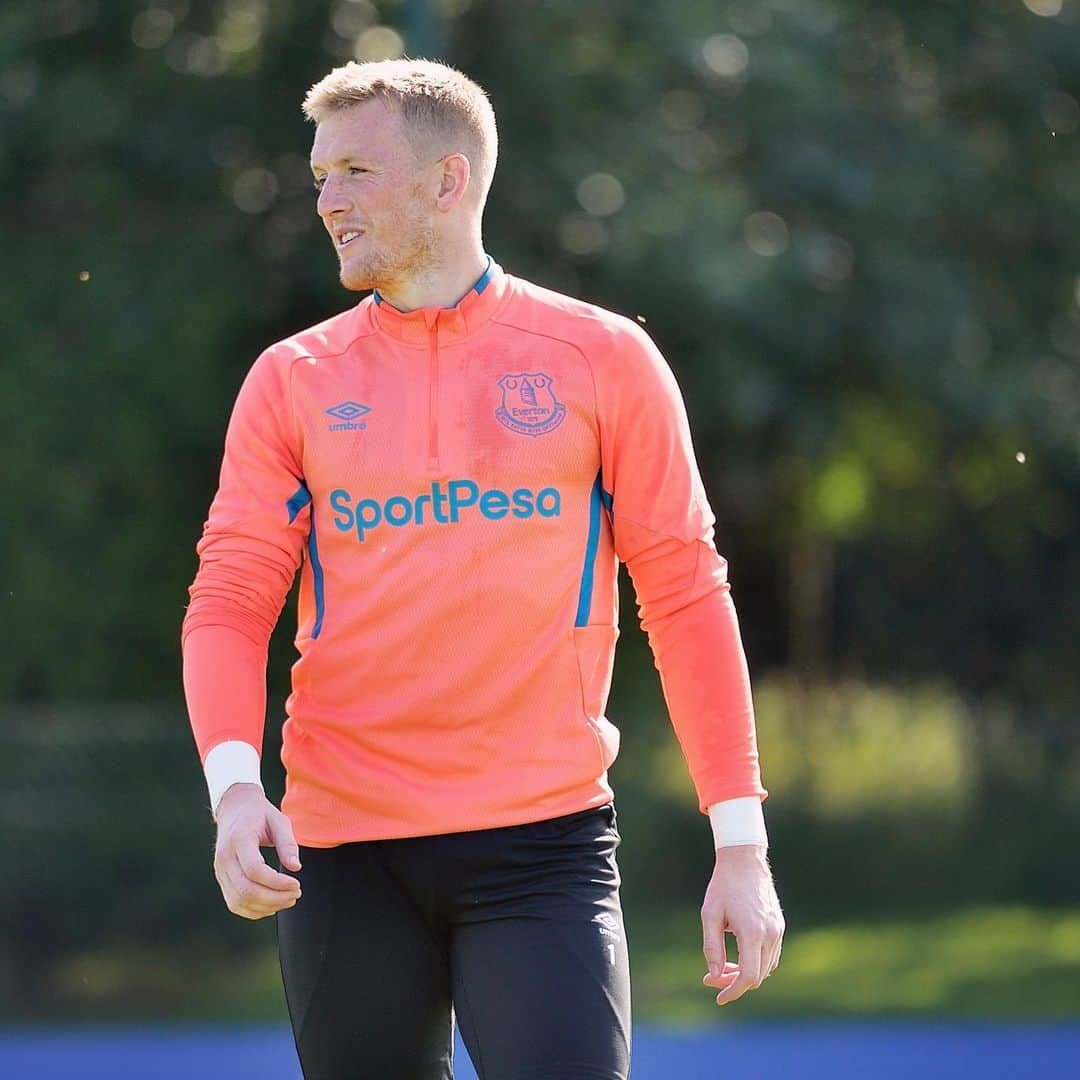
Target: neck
{"x": 442, "y": 285}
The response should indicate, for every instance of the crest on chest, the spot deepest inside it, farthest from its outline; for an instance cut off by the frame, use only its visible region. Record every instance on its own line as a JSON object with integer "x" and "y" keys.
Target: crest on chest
{"x": 529, "y": 405}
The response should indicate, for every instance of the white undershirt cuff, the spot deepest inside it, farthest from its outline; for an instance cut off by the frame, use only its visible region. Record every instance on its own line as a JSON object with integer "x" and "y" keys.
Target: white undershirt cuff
{"x": 738, "y": 821}
{"x": 231, "y": 762}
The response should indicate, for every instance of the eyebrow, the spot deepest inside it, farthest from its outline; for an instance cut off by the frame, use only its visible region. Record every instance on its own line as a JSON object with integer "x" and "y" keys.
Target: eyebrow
{"x": 340, "y": 161}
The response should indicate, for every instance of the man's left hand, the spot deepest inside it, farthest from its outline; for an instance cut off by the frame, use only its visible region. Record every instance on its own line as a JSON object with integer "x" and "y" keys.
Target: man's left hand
{"x": 741, "y": 899}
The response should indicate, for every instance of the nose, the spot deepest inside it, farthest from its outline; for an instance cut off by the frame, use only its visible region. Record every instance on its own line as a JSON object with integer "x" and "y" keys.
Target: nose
{"x": 333, "y": 198}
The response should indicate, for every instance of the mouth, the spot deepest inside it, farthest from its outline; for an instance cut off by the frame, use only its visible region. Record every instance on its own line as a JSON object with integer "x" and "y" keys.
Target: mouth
{"x": 346, "y": 238}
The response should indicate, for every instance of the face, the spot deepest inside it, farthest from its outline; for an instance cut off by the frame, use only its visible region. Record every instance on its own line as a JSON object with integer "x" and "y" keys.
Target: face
{"x": 376, "y": 199}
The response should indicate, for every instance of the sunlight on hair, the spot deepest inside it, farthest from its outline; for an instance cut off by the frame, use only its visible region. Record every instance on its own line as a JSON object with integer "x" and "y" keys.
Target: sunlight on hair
{"x": 435, "y": 101}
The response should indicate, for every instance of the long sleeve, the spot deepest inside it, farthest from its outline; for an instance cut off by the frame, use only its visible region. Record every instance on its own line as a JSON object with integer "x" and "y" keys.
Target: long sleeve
{"x": 663, "y": 531}
{"x": 251, "y": 546}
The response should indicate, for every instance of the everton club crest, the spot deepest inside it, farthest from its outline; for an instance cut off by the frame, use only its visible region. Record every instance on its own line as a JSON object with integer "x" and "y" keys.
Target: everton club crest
{"x": 529, "y": 406}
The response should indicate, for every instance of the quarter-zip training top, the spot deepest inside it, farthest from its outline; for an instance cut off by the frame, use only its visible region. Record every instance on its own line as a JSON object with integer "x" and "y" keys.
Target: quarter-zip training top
{"x": 458, "y": 486}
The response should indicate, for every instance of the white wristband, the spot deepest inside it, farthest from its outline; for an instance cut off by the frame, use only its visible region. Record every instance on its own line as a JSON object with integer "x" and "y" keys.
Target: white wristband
{"x": 738, "y": 821}
{"x": 231, "y": 762}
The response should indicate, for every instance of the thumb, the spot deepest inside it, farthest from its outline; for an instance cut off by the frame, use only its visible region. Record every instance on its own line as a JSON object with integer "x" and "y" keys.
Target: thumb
{"x": 282, "y": 835}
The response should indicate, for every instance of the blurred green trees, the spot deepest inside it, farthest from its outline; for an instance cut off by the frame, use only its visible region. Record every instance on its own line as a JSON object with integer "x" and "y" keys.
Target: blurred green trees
{"x": 852, "y": 228}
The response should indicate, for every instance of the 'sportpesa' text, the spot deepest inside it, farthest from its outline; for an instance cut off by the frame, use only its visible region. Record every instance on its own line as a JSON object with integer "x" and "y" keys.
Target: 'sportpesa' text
{"x": 440, "y": 507}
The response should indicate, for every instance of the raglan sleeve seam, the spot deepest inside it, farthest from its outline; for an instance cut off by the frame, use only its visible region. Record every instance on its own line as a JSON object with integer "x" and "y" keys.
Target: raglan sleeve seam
{"x": 297, "y": 431}
{"x": 596, "y": 399}
{"x": 661, "y": 533}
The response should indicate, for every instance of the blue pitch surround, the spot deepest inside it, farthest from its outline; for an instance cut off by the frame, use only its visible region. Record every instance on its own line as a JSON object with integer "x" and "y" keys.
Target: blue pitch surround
{"x": 810, "y": 1051}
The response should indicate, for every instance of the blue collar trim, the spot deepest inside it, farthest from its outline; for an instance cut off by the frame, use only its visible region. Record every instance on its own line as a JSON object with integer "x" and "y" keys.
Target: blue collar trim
{"x": 482, "y": 283}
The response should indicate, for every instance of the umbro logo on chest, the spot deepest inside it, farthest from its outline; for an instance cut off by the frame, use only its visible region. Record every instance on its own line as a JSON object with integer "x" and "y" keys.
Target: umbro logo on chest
{"x": 347, "y": 413}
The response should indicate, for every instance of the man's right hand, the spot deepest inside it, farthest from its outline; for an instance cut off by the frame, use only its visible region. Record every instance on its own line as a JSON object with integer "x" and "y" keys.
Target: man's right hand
{"x": 246, "y": 820}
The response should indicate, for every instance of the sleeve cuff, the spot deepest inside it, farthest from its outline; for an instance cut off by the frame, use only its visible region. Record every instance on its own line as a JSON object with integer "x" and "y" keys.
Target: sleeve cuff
{"x": 231, "y": 762}
{"x": 738, "y": 821}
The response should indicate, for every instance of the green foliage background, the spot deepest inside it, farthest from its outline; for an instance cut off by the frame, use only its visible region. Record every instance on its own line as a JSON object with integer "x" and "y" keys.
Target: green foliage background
{"x": 852, "y": 228}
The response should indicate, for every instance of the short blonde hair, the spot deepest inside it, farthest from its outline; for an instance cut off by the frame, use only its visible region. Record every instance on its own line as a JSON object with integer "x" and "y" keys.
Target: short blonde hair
{"x": 432, "y": 99}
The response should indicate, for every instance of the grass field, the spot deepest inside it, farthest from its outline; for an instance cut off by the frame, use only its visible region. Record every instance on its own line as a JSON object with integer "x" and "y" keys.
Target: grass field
{"x": 985, "y": 962}
{"x": 1014, "y": 962}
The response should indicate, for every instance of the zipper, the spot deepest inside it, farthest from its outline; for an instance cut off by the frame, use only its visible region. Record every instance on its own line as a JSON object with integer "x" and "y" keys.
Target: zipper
{"x": 433, "y": 393}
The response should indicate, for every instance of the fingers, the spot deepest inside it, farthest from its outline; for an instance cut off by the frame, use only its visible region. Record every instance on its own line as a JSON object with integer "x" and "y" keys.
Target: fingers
{"x": 741, "y": 899}
{"x": 281, "y": 836}
{"x": 759, "y": 954}
{"x": 256, "y": 870}
{"x": 750, "y": 975}
{"x": 251, "y": 888}
{"x": 251, "y": 901}
{"x": 714, "y": 947}
{"x": 774, "y": 941}
{"x": 722, "y": 978}
{"x": 774, "y": 958}
{"x": 721, "y": 970}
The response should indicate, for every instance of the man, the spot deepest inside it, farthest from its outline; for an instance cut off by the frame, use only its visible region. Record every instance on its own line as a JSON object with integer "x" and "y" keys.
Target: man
{"x": 459, "y": 463}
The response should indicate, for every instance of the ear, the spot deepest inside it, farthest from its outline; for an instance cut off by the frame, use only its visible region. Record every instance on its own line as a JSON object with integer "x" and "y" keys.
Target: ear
{"x": 453, "y": 181}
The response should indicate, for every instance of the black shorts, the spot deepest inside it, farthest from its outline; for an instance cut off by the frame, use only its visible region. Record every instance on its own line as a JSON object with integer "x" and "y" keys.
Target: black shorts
{"x": 516, "y": 931}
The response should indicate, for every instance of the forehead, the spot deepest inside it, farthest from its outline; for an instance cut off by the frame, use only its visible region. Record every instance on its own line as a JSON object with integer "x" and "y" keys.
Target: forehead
{"x": 370, "y": 129}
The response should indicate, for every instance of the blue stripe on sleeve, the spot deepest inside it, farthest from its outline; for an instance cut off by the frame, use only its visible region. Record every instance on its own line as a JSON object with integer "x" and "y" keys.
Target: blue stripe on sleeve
{"x": 585, "y": 595}
{"x": 317, "y": 575}
{"x": 298, "y": 502}
{"x": 295, "y": 504}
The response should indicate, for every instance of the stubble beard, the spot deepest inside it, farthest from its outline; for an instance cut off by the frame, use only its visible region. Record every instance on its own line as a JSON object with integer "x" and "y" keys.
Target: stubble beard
{"x": 413, "y": 258}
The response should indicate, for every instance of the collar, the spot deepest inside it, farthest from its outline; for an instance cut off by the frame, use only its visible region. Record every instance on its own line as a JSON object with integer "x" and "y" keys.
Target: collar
{"x": 464, "y": 318}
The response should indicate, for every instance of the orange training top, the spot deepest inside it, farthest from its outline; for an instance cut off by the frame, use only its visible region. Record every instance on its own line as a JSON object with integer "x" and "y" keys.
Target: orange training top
{"x": 459, "y": 485}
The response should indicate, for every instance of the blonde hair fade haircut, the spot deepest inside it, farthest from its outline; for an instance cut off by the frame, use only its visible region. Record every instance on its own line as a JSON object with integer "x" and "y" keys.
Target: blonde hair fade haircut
{"x": 436, "y": 102}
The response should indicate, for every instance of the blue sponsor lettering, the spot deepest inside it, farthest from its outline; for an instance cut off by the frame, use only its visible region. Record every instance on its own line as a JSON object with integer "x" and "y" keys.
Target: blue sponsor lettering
{"x": 494, "y": 504}
{"x": 438, "y": 503}
{"x": 368, "y": 515}
{"x": 403, "y": 508}
{"x": 547, "y": 502}
{"x": 456, "y": 503}
{"x": 523, "y": 506}
{"x": 446, "y": 506}
{"x": 339, "y": 502}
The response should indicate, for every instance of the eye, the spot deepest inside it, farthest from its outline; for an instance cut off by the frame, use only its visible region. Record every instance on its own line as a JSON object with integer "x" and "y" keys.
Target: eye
{"x": 318, "y": 182}
{"x": 354, "y": 169}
